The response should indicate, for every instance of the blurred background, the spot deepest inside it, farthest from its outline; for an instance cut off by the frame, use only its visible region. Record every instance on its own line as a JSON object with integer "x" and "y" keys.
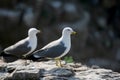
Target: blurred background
{"x": 97, "y": 23}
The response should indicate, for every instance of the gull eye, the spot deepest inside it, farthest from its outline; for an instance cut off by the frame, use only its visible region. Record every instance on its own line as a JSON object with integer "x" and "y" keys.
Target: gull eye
{"x": 68, "y": 29}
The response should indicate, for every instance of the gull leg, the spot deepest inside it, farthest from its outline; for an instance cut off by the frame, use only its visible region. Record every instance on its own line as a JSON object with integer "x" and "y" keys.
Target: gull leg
{"x": 58, "y": 62}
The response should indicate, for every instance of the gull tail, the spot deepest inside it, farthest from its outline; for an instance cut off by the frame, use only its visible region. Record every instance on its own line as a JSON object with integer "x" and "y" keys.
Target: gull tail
{"x": 31, "y": 57}
{"x": 37, "y": 56}
{"x": 2, "y": 53}
{"x": 7, "y": 57}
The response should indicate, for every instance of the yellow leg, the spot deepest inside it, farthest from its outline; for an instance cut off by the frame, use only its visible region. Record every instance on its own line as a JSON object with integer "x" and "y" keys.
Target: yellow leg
{"x": 58, "y": 62}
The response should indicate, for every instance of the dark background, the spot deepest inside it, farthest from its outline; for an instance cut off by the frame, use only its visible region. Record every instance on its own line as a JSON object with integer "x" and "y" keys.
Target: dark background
{"x": 97, "y": 23}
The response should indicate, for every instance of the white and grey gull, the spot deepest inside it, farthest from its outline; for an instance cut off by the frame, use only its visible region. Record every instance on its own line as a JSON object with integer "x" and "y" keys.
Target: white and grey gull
{"x": 22, "y": 48}
{"x": 56, "y": 49}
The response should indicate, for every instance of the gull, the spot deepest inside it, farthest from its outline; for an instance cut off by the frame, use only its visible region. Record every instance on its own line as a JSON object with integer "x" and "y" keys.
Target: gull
{"x": 55, "y": 49}
{"x": 22, "y": 48}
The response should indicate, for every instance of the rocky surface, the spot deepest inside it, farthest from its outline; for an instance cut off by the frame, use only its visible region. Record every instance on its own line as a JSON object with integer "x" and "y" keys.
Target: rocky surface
{"x": 46, "y": 70}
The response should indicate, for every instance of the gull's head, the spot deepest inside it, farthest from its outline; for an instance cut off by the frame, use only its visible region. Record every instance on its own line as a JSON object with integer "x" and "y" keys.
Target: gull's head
{"x": 33, "y": 31}
{"x": 68, "y": 31}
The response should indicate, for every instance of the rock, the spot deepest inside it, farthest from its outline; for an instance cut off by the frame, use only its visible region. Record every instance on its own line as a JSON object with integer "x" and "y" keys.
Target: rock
{"x": 26, "y": 73}
{"x": 10, "y": 67}
{"x": 62, "y": 72}
{"x": 3, "y": 75}
{"x": 98, "y": 74}
{"x": 47, "y": 70}
{"x": 104, "y": 63}
{"x": 59, "y": 78}
{"x": 2, "y": 66}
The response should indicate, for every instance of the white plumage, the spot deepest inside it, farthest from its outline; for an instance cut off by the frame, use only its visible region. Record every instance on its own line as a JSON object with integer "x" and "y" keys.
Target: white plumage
{"x": 23, "y": 47}
{"x": 56, "y": 49}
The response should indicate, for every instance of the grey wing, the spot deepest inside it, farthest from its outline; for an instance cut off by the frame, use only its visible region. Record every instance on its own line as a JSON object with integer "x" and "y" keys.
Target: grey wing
{"x": 51, "y": 52}
{"x": 18, "y": 49}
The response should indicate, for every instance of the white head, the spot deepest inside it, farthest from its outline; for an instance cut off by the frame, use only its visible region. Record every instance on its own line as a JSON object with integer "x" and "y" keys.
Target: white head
{"x": 68, "y": 31}
{"x": 33, "y": 31}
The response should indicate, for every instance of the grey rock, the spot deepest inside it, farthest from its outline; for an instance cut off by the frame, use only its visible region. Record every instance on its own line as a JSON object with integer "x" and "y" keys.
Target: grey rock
{"x": 47, "y": 70}
{"x": 62, "y": 72}
{"x": 104, "y": 63}
{"x": 2, "y": 66}
{"x": 10, "y": 67}
{"x": 98, "y": 74}
{"x": 25, "y": 73}
{"x": 3, "y": 75}
{"x": 59, "y": 78}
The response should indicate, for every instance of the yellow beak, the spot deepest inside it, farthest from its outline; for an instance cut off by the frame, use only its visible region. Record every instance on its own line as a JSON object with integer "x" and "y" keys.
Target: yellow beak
{"x": 73, "y": 32}
{"x": 38, "y": 31}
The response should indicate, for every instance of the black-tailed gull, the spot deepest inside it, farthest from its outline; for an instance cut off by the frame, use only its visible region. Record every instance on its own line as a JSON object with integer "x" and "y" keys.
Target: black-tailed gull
{"x": 22, "y": 48}
{"x": 55, "y": 49}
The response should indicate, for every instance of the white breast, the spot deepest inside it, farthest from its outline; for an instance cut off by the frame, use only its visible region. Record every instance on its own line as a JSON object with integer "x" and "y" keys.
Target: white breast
{"x": 67, "y": 43}
{"x": 32, "y": 44}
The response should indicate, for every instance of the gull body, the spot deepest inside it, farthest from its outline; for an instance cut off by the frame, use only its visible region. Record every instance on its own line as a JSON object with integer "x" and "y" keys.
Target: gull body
{"x": 55, "y": 49}
{"x": 23, "y": 47}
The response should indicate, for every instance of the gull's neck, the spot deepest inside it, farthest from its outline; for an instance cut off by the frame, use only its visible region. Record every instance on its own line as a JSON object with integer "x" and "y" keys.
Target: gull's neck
{"x": 33, "y": 42}
{"x": 32, "y": 36}
{"x": 66, "y": 38}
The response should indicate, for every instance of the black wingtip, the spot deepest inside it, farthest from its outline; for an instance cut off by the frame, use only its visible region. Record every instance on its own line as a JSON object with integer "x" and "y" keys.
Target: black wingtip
{"x": 31, "y": 57}
{"x": 7, "y": 57}
{"x": 2, "y": 53}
